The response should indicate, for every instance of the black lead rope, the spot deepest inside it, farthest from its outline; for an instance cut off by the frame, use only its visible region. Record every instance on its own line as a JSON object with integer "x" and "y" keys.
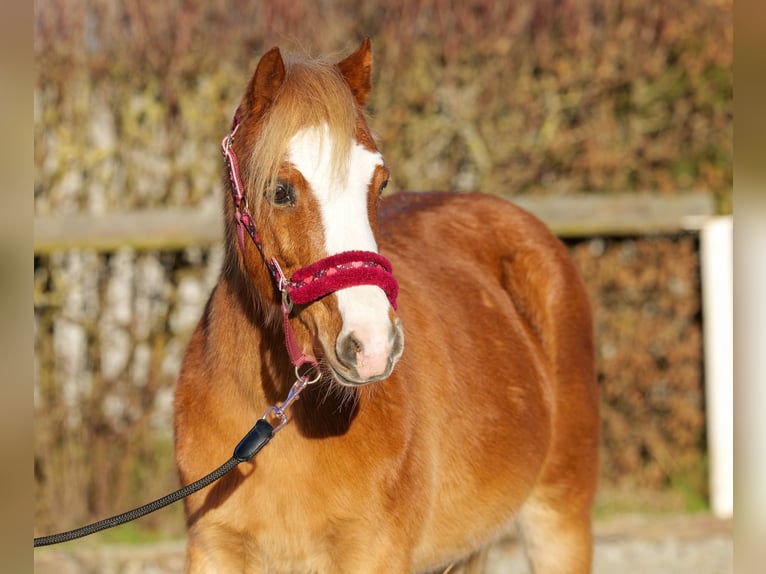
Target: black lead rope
{"x": 256, "y": 438}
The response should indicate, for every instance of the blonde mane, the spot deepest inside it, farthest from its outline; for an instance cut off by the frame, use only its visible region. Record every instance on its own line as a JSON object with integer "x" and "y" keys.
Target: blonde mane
{"x": 313, "y": 94}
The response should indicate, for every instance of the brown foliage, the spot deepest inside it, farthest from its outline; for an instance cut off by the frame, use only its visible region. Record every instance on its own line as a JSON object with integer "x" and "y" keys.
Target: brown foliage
{"x": 509, "y": 97}
{"x": 646, "y": 301}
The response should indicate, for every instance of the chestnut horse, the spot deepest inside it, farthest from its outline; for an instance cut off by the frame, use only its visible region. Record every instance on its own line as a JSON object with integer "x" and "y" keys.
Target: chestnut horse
{"x": 488, "y": 418}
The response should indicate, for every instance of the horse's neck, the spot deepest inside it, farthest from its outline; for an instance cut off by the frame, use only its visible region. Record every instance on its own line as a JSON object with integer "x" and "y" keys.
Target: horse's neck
{"x": 249, "y": 341}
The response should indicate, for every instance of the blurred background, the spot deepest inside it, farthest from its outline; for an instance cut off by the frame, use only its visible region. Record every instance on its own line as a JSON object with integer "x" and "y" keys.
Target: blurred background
{"x": 548, "y": 102}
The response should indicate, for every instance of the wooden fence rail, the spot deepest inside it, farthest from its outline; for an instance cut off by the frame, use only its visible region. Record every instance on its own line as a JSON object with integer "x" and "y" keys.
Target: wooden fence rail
{"x": 571, "y": 216}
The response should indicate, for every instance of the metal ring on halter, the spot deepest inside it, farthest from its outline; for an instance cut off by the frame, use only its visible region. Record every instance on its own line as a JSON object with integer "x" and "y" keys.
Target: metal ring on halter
{"x": 227, "y": 141}
{"x": 305, "y": 378}
{"x": 286, "y": 301}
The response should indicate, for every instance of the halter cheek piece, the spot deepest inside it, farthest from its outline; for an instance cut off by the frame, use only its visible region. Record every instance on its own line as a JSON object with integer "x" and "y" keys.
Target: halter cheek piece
{"x": 314, "y": 281}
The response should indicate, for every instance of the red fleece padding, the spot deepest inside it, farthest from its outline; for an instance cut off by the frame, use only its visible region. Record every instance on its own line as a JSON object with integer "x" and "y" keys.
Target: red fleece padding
{"x": 343, "y": 270}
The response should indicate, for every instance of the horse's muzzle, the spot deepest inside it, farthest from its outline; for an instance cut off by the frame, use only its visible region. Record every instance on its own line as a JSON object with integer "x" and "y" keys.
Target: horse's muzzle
{"x": 363, "y": 360}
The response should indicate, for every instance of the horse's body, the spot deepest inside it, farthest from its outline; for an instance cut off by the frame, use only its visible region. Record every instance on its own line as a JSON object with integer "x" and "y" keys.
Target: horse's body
{"x": 490, "y": 414}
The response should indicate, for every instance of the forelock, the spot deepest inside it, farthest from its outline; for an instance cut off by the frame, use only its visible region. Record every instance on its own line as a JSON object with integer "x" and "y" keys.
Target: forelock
{"x": 313, "y": 94}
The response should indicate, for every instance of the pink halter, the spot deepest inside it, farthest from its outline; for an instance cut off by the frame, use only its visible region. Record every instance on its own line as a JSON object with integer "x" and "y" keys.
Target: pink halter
{"x": 316, "y": 280}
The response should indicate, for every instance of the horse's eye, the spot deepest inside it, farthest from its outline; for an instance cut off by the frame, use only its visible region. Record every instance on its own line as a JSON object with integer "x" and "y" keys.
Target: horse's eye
{"x": 283, "y": 194}
{"x": 382, "y": 187}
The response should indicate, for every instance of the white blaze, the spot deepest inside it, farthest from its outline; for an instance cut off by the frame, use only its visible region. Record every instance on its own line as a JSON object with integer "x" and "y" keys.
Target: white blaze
{"x": 342, "y": 199}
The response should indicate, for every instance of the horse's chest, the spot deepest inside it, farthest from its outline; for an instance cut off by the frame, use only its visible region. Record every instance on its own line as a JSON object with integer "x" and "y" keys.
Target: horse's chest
{"x": 304, "y": 500}
{"x": 300, "y": 482}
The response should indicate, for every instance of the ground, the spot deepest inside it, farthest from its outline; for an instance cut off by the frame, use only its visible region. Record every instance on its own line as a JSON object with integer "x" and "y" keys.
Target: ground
{"x": 625, "y": 544}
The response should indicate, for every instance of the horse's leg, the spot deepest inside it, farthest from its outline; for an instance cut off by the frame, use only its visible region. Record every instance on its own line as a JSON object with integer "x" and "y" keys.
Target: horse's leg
{"x": 557, "y": 538}
{"x": 218, "y": 551}
{"x": 476, "y": 563}
{"x": 197, "y": 561}
{"x": 556, "y": 518}
{"x": 391, "y": 564}
{"x": 381, "y": 554}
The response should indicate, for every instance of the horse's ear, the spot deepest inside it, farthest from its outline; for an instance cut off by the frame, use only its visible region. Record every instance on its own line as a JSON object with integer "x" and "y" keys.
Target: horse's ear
{"x": 269, "y": 76}
{"x": 357, "y": 70}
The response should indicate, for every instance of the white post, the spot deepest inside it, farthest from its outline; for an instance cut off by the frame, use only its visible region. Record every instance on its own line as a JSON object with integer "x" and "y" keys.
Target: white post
{"x": 718, "y": 327}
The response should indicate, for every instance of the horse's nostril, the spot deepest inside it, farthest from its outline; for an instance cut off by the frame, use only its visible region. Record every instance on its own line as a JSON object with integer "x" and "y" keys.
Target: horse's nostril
{"x": 369, "y": 355}
{"x": 349, "y": 349}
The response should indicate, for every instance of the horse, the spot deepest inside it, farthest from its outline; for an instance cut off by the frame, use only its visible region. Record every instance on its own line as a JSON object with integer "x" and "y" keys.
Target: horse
{"x": 399, "y": 457}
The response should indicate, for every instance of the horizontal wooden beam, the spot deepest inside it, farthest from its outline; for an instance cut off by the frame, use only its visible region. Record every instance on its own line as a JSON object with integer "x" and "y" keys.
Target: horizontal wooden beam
{"x": 570, "y": 216}
{"x": 589, "y": 215}
{"x": 161, "y": 229}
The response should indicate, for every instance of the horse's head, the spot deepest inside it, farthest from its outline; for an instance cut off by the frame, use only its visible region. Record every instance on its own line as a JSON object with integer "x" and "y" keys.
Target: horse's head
{"x": 311, "y": 175}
